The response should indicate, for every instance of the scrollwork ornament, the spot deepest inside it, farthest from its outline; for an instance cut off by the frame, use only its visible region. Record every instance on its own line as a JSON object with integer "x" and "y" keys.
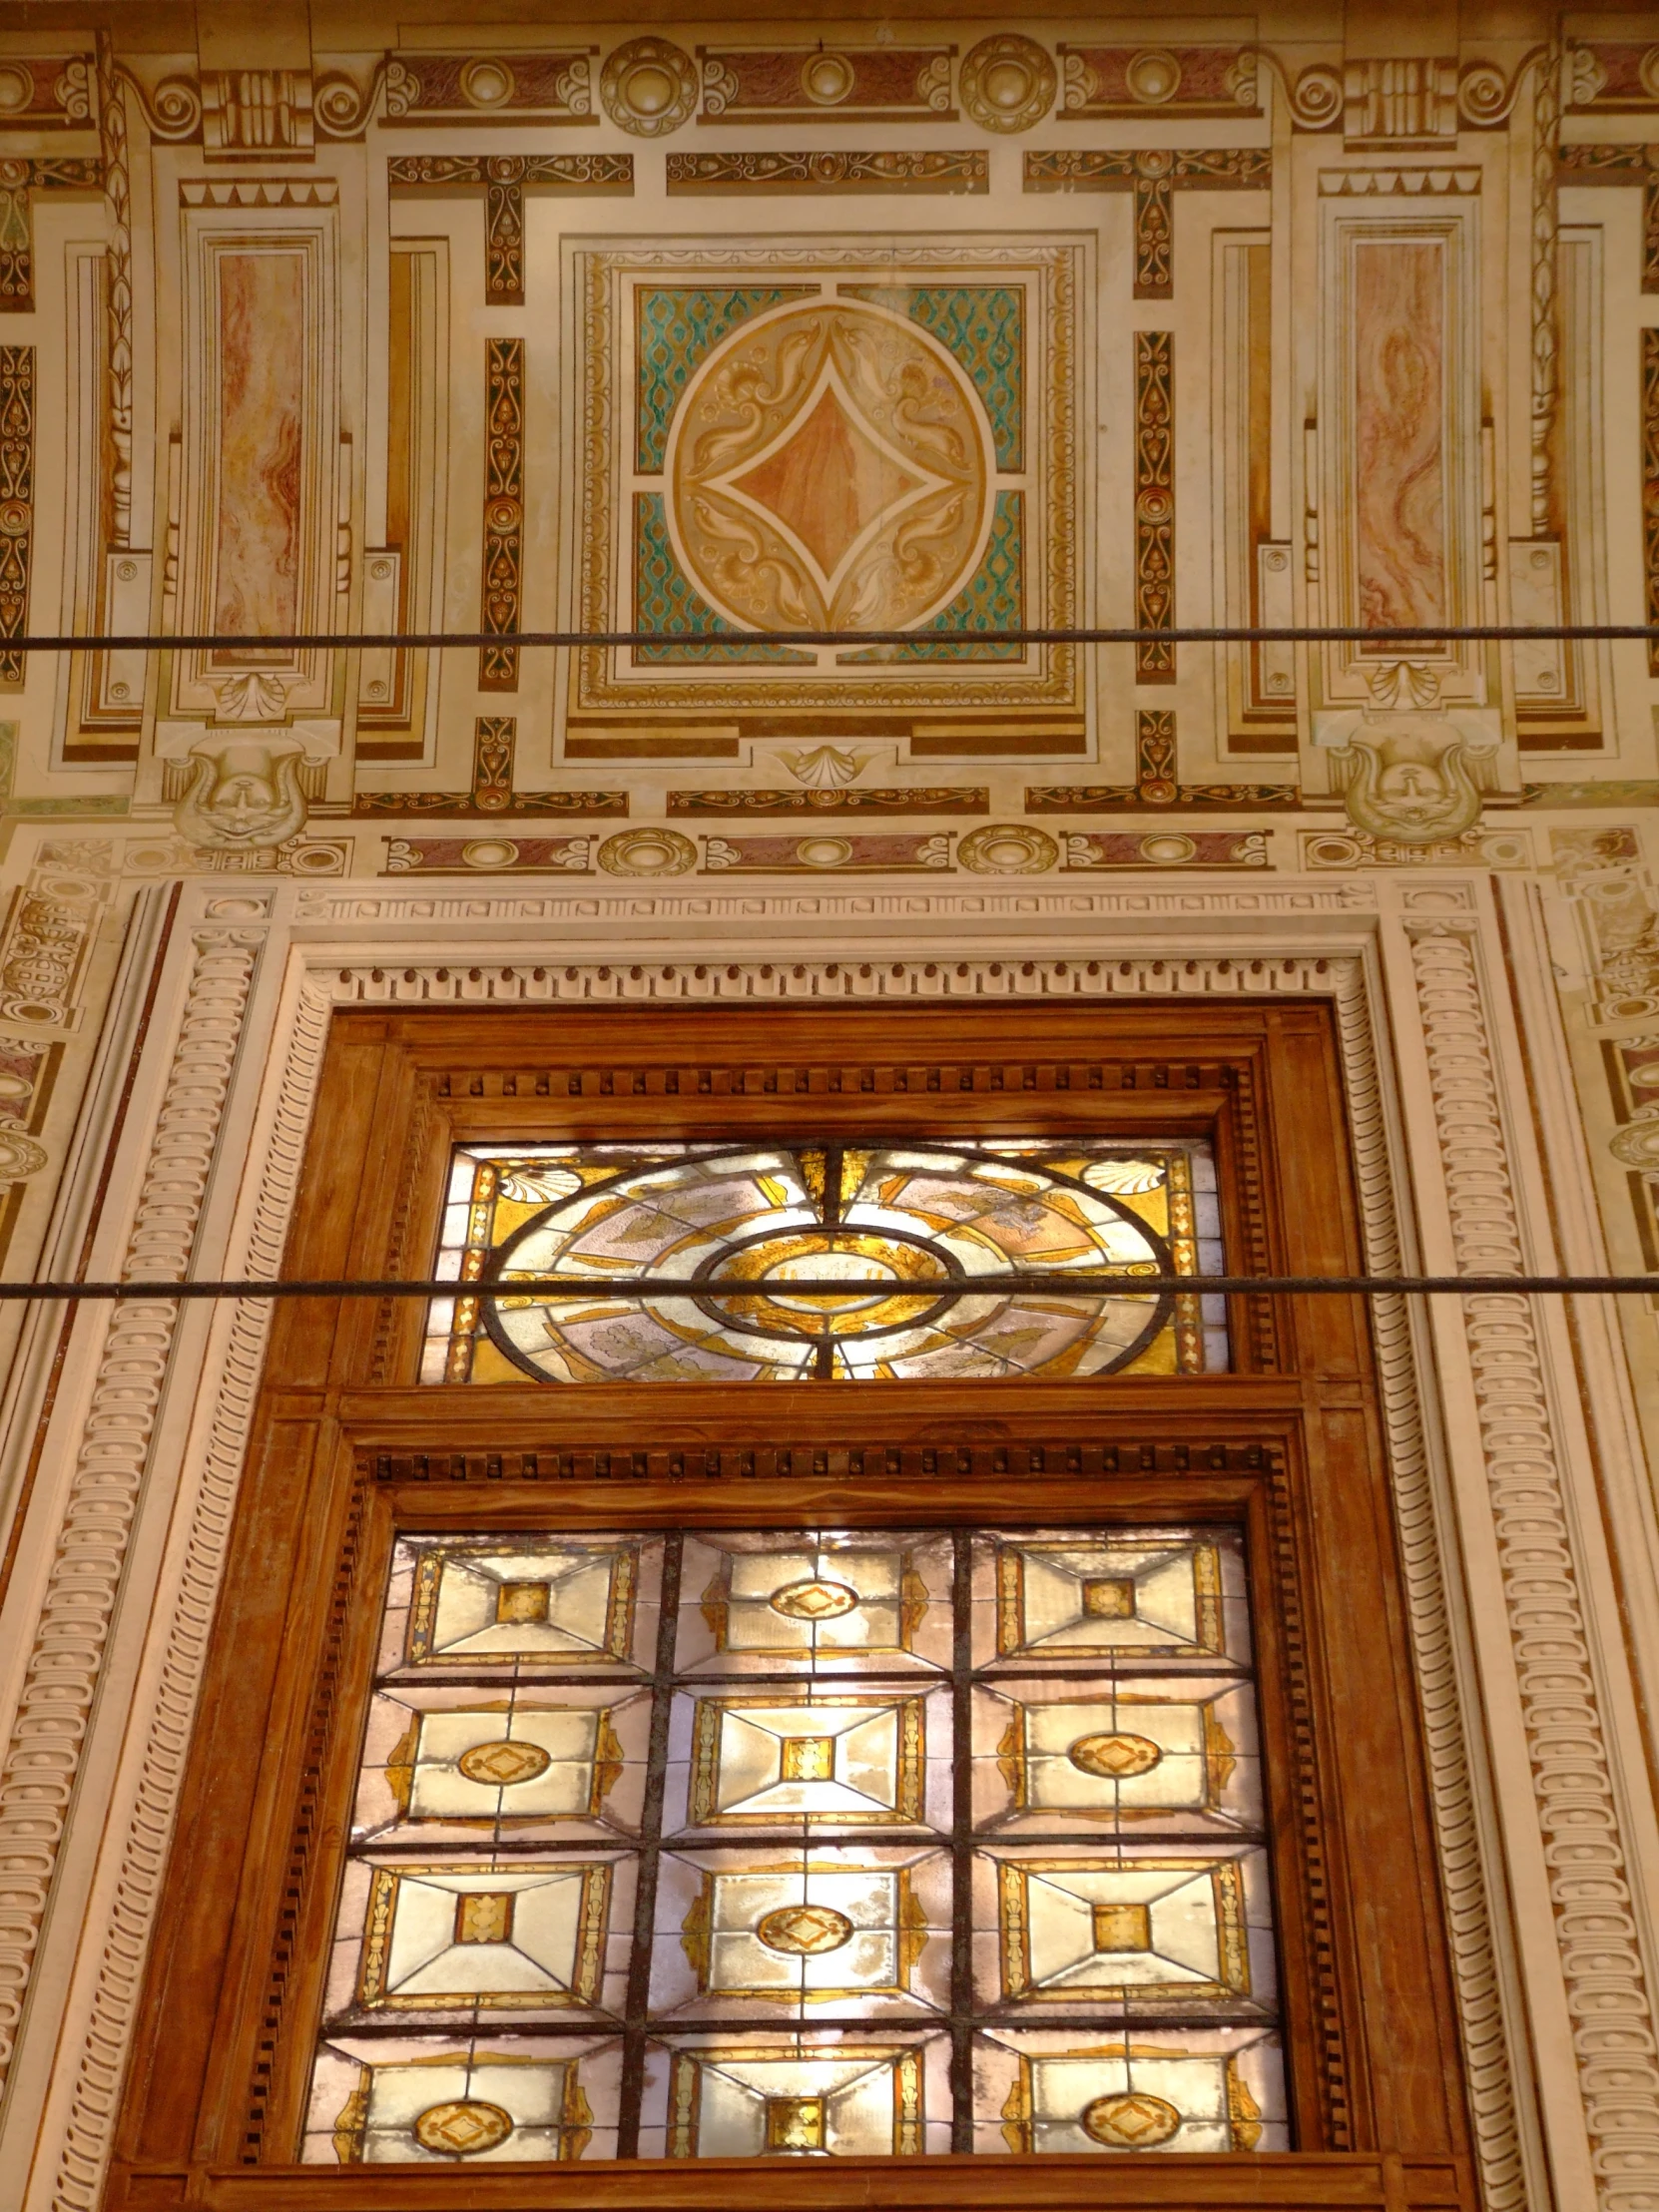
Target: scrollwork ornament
{"x": 403, "y": 90}
{"x": 341, "y": 108}
{"x": 173, "y": 112}
{"x": 1486, "y": 97}
{"x": 648, "y": 87}
{"x": 1007, "y": 82}
{"x": 72, "y": 91}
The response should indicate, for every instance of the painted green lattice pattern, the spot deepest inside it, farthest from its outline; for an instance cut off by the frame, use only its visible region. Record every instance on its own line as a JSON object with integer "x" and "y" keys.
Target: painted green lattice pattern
{"x": 994, "y": 599}
{"x": 983, "y": 325}
{"x": 665, "y": 600}
{"x": 675, "y": 326}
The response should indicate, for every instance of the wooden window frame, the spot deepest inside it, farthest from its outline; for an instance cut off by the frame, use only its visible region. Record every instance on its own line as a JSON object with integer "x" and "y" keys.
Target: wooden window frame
{"x": 349, "y": 1449}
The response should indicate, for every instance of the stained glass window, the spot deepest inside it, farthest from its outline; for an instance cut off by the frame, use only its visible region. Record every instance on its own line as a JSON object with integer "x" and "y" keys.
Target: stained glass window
{"x": 726, "y": 1261}
{"x": 806, "y": 1844}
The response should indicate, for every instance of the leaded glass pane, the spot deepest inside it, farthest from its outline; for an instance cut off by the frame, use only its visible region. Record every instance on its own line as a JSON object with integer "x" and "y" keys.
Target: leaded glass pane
{"x": 726, "y": 1261}
{"x": 805, "y": 1843}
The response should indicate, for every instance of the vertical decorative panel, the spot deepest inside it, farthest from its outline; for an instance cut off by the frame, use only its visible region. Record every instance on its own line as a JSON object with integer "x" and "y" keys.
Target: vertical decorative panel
{"x": 259, "y": 542}
{"x": 262, "y": 380}
{"x": 1400, "y": 435}
{"x": 503, "y": 239}
{"x": 1253, "y": 569}
{"x": 17, "y": 500}
{"x": 1154, "y": 503}
{"x": 503, "y": 509}
{"x": 1650, "y": 484}
{"x": 493, "y": 743}
{"x": 1398, "y": 414}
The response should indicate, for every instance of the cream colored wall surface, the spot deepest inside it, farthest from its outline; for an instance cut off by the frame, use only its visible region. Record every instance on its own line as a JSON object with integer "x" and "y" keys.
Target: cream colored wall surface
{"x": 361, "y": 320}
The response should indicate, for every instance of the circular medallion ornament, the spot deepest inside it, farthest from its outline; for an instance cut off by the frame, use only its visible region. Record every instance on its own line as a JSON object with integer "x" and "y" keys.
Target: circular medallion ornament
{"x": 649, "y": 87}
{"x": 823, "y": 851}
{"x": 487, "y": 83}
{"x": 827, "y": 79}
{"x": 804, "y": 1931}
{"x": 1114, "y": 1758}
{"x": 646, "y": 852}
{"x": 1131, "y": 2120}
{"x": 1008, "y": 849}
{"x": 1008, "y": 83}
{"x": 489, "y": 852}
{"x": 1168, "y": 850}
{"x": 830, "y": 467}
{"x": 504, "y": 1764}
{"x": 815, "y": 1600}
{"x": 463, "y": 2127}
{"x": 17, "y": 88}
{"x": 1153, "y": 76}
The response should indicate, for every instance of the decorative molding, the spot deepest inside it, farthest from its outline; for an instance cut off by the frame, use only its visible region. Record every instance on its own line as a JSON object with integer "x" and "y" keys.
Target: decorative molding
{"x": 1153, "y": 175}
{"x": 258, "y": 192}
{"x": 966, "y": 171}
{"x": 1650, "y": 487}
{"x": 890, "y": 854}
{"x": 1102, "y": 849}
{"x": 1399, "y": 98}
{"x": 118, "y": 296}
{"x": 1613, "y": 77}
{"x": 457, "y": 88}
{"x": 1007, "y": 82}
{"x": 648, "y": 87}
{"x": 49, "y": 932}
{"x": 17, "y": 502}
{"x": 46, "y": 93}
{"x": 1547, "y": 132}
{"x": 495, "y": 739}
{"x": 172, "y": 112}
{"x": 20, "y": 179}
{"x": 1627, "y": 164}
{"x": 120, "y": 1962}
{"x": 1154, "y": 503}
{"x": 921, "y": 799}
{"x": 38, "y": 1779}
{"x": 1172, "y": 81}
{"x": 504, "y": 178}
{"x": 503, "y": 509}
{"x": 264, "y": 114}
{"x": 1411, "y": 184}
{"x": 853, "y": 84}
{"x": 1579, "y": 1808}
{"x": 489, "y": 856}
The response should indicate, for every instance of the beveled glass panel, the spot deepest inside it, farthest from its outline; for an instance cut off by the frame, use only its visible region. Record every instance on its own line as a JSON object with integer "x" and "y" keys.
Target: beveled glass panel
{"x": 1125, "y": 1930}
{"x": 825, "y": 1601}
{"x": 816, "y": 2095}
{"x": 741, "y": 1882}
{"x": 857, "y": 1930}
{"x": 1147, "y": 1754}
{"x": 415, "y": 2101}
{"x": 1179, "y": 2089}
{"x": 767, "y": 1263}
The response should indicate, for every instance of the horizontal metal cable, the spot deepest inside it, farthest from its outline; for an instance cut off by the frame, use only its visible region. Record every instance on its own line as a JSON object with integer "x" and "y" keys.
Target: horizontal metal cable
{"x": 1216, "y": 634}
{"x": 1137, "y": 1286}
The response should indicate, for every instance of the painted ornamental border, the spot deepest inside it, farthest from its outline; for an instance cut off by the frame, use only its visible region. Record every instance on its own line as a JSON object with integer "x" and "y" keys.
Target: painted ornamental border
{"x": 1510, "y": 1509}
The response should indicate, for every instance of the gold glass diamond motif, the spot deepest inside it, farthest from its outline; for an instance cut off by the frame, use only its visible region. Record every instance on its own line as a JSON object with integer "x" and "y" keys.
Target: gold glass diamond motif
{"x": 759, "y": 1759}
{"x": 1103, "y": 1928}
{"x": 1097, "y": 1599}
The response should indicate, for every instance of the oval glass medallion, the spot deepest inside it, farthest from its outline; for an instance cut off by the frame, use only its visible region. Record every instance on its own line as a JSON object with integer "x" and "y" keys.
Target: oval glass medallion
{"x": 803, "y": 1930}
{"x": 462, "y": 2127}
{"x": 1114, "y": 1758}
{"x": 504, "y": 1764}
{"x": 817, "y": 1600}
{"x": 1131, "y": 2120}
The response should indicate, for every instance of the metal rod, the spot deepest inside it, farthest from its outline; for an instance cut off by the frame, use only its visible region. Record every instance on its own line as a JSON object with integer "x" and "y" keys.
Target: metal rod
{"x": 1216, "y": 634}
{"x": 1048, "y": 1285}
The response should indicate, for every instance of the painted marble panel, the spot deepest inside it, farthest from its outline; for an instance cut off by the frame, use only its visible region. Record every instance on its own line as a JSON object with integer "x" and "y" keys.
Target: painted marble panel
{"x": 262, "y": 368}
{"x": 1400, "y": 435}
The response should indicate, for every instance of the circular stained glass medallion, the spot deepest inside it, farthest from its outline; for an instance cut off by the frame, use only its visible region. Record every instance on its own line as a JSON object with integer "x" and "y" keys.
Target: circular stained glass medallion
{"x": 1131, "y": 2120}
{"x": 886, "y": 1261}
{"x": 462, "y": 2126}
{"x": 803, "y": 1930}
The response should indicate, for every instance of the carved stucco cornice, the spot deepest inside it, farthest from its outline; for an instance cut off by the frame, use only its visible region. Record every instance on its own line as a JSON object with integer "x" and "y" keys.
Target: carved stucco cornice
{"x": 338, "y": 974}
{"x": 1588, "y": 1862}
{"x": 39, "y": 1775}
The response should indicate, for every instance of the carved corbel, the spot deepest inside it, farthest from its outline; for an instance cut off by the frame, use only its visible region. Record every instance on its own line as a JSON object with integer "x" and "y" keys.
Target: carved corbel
{"x": 1409, "y": 769}
{"x": 242, "y": 797}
